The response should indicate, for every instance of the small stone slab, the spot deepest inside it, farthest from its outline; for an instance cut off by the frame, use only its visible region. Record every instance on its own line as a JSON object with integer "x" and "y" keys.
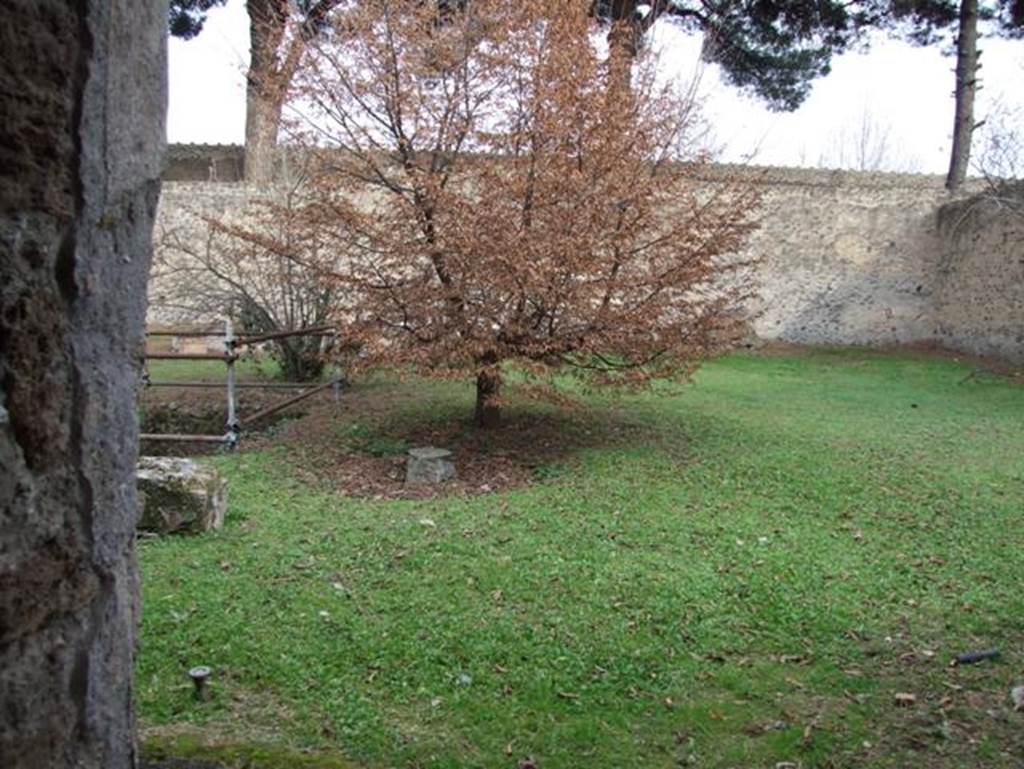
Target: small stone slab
{"x": 177, "y": 494}
{"x": 1017, "y": 695}
{"x": 428, "y": 465}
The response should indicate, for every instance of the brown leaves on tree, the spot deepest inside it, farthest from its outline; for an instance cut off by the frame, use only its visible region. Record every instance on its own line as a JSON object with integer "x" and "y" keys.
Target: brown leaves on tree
{"x": 495, "y": 194}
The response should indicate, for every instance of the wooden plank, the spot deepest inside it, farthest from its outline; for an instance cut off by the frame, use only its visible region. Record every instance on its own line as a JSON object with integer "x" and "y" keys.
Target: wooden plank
{"x": 217, "y": 333}
{"x": 182, "y": 437}
{"x": 313, "y": 331}
{"x": 241, "y": 385}
{"x": 285, "y": 404}
{"x": 189, "y": 356}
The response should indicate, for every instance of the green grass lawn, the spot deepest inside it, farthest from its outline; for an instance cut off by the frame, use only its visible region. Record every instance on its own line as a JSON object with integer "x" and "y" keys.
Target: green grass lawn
{"x": 736, "y": 573}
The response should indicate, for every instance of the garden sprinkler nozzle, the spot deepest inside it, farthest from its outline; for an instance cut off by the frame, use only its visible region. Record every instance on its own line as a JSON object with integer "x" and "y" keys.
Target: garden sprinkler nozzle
{"x": 199, "y": 676}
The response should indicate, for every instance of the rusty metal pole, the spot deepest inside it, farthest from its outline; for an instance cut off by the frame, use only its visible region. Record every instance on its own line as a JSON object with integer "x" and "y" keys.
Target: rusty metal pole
{"x": 336, "y": 384}
{"x": 229, "y": 353}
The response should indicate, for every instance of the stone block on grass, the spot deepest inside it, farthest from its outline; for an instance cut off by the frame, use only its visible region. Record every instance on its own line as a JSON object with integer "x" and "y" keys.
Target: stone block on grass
{"x": 179, "y": 495}
{"x": 428, "y": 465}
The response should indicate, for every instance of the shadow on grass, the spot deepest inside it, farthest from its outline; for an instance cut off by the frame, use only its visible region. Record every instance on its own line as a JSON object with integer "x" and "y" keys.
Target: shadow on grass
{"x": 361, "y": 450}
{"x": 184, "y": 753}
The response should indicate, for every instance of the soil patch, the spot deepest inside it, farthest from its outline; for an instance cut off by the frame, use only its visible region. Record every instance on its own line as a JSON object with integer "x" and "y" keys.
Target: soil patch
{"x": 362, "y": 450}
{"x": 203, "y": 411}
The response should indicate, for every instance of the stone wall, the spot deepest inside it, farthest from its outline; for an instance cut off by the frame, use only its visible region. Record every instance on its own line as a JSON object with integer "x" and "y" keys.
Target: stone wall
{"x": 846, "y": 258}
{"x": 980, "y": 291}
{"x": 82, "y": 96}
{"x": 182, "y": 204}
{"x": 205, "y": 163}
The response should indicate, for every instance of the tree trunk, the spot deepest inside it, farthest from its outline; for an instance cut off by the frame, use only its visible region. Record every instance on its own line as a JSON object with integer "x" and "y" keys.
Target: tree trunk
{"x": 966, "y": 88}
{"x": 622, "y": 50}
{"x": 262, "y": 120}
{"x": 264, "y": 92}
{"x": 488, "y": 387}
{"x": 300, "y": 359}
{"x": 82, "y": 94}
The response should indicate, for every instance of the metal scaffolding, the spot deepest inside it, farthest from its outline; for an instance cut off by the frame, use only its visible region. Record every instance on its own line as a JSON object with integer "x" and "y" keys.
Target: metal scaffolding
{"x": 235, "y": 424}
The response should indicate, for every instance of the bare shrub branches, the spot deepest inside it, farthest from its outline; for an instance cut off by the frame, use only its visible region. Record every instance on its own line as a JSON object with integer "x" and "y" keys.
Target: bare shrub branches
{"x": 259, "y": 268}
{"x": 1001, "y": 159}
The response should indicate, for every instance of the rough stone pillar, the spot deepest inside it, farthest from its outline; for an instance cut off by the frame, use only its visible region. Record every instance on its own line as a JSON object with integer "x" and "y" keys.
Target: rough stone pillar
{"x": 82, "y": 99}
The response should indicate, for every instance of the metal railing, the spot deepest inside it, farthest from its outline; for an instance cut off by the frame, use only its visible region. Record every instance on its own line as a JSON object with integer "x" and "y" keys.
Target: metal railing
{"x": 234, "y": 424}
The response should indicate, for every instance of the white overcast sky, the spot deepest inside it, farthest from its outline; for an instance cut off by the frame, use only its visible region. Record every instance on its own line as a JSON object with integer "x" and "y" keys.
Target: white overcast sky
{"x": 906, "y": 91}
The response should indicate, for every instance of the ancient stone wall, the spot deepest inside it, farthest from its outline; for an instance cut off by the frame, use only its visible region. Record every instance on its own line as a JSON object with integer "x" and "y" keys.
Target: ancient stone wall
{"x": 980, "y": 283}
{"x": 845, "y": 258}
{"x": 81, "y": 141}
{"x": 181, "y": 238}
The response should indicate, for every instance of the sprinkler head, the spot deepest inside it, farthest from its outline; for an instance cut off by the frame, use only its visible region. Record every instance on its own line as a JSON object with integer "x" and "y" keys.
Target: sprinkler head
{"x": 199, "y": 676}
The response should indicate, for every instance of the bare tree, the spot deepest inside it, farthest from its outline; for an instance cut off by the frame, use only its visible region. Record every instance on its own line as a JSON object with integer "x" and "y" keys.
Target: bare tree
{"x": 493, "y": 203}
{"x": 867, "y": 144}
{"x": 1001, "y": 159}
{"x": 1002, "y": 149}
{"x": 203, "y": 269}
{"x": 923, "y": 21}
{"x": 279, "y": 31}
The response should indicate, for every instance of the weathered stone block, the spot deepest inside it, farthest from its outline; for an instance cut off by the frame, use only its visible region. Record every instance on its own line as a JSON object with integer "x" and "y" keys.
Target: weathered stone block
{"x": 429, "y": 465}
{"x": 180, "y": 495}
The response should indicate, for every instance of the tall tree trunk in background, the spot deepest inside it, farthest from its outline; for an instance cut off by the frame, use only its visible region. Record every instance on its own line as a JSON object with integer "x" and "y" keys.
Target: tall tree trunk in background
{"x": 966, "y": 88}
{"x": 272, "y": 65}
{"x": 262, "y": 120}
{"x": 265, "y": 91}
{"x": 628, "y": 28}
{"x": 622, "y": 50}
